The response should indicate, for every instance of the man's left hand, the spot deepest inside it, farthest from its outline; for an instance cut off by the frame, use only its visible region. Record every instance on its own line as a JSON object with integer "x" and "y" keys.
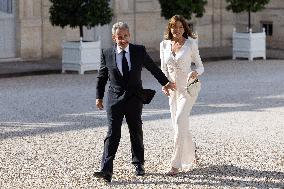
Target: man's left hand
{"x": 192, "y": 75}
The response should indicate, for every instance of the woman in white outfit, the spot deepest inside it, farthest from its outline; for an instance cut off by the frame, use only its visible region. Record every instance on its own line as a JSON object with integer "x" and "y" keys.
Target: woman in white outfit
{"x": 177, "y": 52}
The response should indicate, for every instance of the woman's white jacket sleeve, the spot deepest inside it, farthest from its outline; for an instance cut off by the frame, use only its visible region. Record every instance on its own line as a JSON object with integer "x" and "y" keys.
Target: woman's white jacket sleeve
{"x": 163, "y": 63}
{"x": 196, "y": 58}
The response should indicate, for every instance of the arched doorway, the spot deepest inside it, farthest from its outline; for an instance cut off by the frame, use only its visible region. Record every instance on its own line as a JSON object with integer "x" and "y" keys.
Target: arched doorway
{"x": 7, "y": 29}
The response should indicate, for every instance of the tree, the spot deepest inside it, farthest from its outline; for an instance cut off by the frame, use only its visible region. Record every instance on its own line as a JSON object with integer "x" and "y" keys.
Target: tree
{"x": 249, "y": 6}
{"x": 182, "y": 7}
{"x": 79, "y": 13}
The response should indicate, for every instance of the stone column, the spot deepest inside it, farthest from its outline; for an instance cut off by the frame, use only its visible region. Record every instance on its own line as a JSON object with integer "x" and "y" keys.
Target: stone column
{"x": 30, "y": 24}
{"x": 143, "y": 16}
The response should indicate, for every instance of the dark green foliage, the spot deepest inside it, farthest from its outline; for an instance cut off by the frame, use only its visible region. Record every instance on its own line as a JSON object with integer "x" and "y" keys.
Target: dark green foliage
{"x": 238, "y": 6}
{"x": 182, "y": 7}
{"x": 248, "y": 6}
{"x": 79, "y": 13}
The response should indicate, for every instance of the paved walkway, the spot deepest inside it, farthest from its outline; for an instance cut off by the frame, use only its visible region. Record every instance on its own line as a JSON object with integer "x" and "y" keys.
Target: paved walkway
{"x": 53, "y": 65}
{"x": 25, "y": 68}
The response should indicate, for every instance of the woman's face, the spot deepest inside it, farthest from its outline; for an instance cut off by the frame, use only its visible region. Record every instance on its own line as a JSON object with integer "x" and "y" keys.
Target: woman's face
{"x": 177, "y": 30}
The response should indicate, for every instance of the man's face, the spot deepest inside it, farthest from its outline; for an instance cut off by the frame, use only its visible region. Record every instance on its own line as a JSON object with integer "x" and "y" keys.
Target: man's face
{"x": 121, "y": 37}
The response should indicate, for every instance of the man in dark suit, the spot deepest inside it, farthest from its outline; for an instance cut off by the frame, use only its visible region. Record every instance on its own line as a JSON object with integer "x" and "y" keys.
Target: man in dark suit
{"x": 122, "y": 65}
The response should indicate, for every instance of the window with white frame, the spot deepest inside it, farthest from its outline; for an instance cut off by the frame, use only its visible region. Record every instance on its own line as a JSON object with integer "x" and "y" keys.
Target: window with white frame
{"x": 6, "y": 6}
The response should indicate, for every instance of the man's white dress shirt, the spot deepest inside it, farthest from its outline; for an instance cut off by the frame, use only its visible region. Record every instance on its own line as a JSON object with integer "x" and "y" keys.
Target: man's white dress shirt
{"x": 119, "y": 55}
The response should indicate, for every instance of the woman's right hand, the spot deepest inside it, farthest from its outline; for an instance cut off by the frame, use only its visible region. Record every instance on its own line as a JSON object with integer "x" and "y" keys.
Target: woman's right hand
{"x": 165, "y": 91}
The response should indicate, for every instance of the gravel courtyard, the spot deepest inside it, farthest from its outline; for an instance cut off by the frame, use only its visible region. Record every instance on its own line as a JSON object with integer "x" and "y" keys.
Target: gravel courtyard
{"x": 51, "y": 134}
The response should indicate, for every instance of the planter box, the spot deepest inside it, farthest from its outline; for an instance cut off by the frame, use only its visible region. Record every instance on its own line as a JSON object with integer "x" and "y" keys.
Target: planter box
{"x": 81, "y": 56}
{"x": 249, "y": 45}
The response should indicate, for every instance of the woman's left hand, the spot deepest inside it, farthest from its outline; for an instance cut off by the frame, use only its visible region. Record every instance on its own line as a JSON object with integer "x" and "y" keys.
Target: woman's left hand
{"x": 192, "y": 75}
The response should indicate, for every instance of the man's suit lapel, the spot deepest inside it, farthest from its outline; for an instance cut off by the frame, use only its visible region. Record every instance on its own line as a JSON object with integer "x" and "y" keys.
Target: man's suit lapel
{"x": 132, "y": 57}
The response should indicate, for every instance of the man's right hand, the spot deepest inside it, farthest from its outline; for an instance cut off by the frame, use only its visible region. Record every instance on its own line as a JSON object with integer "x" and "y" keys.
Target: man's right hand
{"x": 100, "y": 104}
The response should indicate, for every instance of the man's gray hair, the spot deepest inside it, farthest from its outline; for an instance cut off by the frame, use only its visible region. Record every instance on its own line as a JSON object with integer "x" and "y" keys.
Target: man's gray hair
{"x": 119, "y": 25}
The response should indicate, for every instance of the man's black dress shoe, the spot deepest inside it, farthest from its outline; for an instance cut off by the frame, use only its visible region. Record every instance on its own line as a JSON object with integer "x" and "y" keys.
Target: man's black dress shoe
{"x": 139, "y": 169}
{"x": 102, "y": 175}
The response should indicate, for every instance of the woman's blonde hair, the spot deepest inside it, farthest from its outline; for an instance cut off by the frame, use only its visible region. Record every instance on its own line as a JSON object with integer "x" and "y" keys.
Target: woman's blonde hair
{"x": 173, "y": 20}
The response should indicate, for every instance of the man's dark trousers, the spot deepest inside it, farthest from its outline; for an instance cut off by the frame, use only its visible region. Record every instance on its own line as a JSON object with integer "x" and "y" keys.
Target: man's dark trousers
{"x": 132, "y": 110}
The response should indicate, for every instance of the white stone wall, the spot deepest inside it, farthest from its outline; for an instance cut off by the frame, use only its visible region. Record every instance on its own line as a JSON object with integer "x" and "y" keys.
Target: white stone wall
{"x": 273, "y": 13}
{"x": 29, "y": 29}
{"x": 144, "y": 17}
{"x": 7, "y": 29}
{"x": 36, "y": 38}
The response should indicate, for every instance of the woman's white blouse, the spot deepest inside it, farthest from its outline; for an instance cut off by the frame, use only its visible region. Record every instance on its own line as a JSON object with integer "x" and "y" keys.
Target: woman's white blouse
{"x": 177, "y": 67}
{"x": 188, "y": 53}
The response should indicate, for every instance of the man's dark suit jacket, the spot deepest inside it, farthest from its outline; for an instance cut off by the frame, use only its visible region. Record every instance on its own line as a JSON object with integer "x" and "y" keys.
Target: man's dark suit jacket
{"x": 118, "y": 89}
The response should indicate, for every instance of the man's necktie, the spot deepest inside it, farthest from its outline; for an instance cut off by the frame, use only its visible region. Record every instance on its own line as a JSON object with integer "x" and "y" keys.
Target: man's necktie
{"x": 125, "y": 67}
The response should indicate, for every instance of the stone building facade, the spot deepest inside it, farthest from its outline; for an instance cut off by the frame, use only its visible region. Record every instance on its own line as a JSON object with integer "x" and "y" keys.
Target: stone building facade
{"x": 26, "y": 33}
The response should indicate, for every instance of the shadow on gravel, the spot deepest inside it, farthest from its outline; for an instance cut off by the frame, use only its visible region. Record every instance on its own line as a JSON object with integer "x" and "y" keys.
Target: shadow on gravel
{"x": 23, "y": 129}
{"x": 226, "y": 87}
{"x": 152, "y": 112}
{"x": 69, "y": 122}
{"x": 218, "y": 176}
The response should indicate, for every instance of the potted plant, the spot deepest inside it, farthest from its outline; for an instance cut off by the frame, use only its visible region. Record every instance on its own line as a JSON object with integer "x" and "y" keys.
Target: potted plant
{"x": 248, "y": 44}
{"x": 185, "y": 8}
{"x": 80, "y": 55}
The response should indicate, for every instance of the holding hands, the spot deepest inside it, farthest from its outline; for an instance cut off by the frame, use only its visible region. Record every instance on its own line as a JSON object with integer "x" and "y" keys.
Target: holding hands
{"x": 167, "y": 87}
{"x": 172, "y": 86}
